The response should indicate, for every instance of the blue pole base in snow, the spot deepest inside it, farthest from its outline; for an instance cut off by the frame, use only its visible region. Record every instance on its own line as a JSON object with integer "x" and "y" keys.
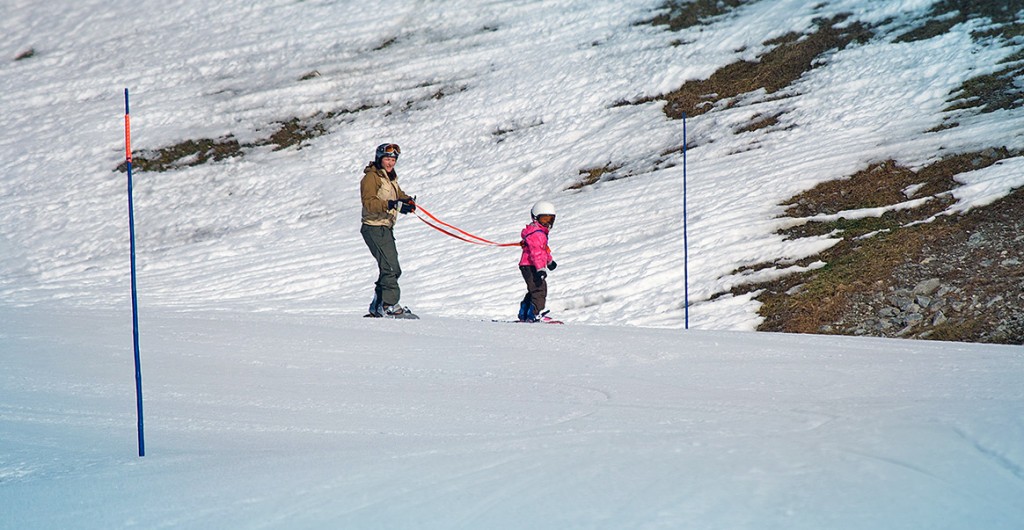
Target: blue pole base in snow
{"x": 135, "y": 298}
{"x": 686, "y": 243}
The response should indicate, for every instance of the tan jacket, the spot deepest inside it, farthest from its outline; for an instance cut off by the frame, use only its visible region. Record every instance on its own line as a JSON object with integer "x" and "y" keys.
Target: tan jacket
{"x": 376, "y": 189}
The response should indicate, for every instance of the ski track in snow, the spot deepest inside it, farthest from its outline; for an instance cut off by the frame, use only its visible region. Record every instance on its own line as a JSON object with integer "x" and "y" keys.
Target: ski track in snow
{"x": 292, "y": 420}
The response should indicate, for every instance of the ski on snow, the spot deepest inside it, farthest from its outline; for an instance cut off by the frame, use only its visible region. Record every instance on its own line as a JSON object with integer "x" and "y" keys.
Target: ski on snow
{"x": 527, "y": 322}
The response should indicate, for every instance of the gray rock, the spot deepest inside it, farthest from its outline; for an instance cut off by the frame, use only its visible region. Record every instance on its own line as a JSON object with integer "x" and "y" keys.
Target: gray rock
{"x": 900, "y": 301}
{"x": 887, "y": 312}
{"x": 928, "y": 286}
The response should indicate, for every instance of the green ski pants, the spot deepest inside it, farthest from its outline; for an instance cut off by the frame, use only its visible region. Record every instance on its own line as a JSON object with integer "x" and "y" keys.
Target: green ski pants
{"x": 381, "y": 241}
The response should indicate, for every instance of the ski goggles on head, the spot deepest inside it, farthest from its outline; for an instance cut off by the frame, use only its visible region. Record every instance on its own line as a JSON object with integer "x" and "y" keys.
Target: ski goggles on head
{"x": 546, "y": 219}
{"x": 391, "y": 150}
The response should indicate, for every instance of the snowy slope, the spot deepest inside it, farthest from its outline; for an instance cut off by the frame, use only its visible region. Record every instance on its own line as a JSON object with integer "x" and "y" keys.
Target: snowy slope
{"x": 496, "y": 106}
{"x": 270, "y": 402}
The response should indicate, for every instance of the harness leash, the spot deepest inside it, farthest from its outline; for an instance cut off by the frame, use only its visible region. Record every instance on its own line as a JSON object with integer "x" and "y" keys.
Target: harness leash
{"x": 465, "y": 236}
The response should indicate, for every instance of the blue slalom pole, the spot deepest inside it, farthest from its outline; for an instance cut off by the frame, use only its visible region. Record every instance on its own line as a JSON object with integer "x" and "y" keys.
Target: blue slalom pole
{"x": 686, "y": 243}
{"x": 135, "y": 298}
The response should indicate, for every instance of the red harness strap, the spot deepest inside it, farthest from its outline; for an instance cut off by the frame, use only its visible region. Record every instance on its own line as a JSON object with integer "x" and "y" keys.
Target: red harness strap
{"x": 469, "y": 238}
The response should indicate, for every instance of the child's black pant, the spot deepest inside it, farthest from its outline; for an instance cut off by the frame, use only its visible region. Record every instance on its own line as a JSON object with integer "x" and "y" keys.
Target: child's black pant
{"x": 536, "y": 288}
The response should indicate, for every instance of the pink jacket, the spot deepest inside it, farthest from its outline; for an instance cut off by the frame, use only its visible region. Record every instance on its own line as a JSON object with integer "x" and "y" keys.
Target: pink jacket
{"x": 535, "y": 246}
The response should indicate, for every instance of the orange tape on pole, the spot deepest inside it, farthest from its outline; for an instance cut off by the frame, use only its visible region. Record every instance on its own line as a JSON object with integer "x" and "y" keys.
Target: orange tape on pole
{"x": 127, "y": 137}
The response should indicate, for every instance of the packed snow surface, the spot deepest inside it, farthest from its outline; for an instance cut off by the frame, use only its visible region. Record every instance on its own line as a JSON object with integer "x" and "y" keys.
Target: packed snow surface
{"x": 288, "y": 421}
{"x": 271, "y": 403}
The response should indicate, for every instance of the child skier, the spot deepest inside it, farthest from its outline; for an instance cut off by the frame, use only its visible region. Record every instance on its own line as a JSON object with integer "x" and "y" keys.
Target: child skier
{"x": 536, "y": 262}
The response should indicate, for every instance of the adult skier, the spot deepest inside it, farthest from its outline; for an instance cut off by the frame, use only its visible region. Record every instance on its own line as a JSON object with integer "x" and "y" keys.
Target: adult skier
{"x": 536, "y": 262}
{"x": 383, "y": 200}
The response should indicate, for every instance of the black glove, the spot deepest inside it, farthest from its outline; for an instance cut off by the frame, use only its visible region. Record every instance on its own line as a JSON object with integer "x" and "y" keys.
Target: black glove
{"x": 552, "y": 265}
{"x": 542, "y": 274}
{"x": 403, "y": 206}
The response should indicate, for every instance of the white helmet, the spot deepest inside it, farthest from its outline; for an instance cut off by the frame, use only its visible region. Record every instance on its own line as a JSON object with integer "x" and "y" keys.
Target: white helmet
{"x": 542, "y": 208}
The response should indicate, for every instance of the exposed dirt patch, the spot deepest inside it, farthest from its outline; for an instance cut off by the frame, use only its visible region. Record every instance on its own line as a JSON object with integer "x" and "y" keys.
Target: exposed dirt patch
{"x": 790, "y": 57}
{"x": 910, "y": 271}
{"x": 502, "y": 133}
{"x": 187, "y": 153}
{"x": 294, "y": 132}
{"x": 948, "y": 13}
{"x": 950, "y": 278}
{"x": 25, "y": 54}
{"x": 1000, "y": 90}
{"x": 387, "y": 43}
{"x": 681, "y": 14}
{"x": 987, "y": 92}
{"x": 593, "y": 176}
{"x": 610, "y": 172}
{"x": 958, "y": 278}
{"x": 759, "y": 122}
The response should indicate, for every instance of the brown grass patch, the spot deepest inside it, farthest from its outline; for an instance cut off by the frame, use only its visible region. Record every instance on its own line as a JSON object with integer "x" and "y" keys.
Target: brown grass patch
{"x": 791, "y": 56}
{"x": 992, "y": 92}
{"x": 593, "y": 176}
{"x": 760, "y": 121}
{"x": 853, "y": 267}
{"x": 948, "y": 13}
{"x": 295, "y": 132}
{"x": 184, "y": 154}
{"x": 987, "y": 92}
{"x": 845, "y": 296}
{"x": 885, "y": 183}
{"x": 682, "y": 15}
